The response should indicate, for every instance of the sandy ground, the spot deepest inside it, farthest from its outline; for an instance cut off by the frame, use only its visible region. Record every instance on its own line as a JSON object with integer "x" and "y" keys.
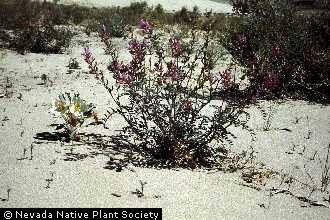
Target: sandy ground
{"x": 75, "y": 174}
{"x": 169, "y": 5}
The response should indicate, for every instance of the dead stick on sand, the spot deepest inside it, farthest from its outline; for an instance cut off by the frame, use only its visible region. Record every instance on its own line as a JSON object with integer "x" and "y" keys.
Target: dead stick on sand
{"x": 31, "y": 151}
{"x": 275, "y": 191}
{"x": 301, "y": 198}
{"x": 8, "y": 192}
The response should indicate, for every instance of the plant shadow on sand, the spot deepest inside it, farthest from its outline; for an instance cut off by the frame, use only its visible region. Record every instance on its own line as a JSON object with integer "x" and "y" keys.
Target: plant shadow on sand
{"x": 123, "y": 155}
{"x": 121, "y": 152}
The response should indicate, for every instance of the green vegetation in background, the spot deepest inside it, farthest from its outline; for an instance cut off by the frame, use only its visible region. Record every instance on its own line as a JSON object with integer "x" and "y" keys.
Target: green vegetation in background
{"x": 16, "y": 13}
{"x": 280, "y": 44}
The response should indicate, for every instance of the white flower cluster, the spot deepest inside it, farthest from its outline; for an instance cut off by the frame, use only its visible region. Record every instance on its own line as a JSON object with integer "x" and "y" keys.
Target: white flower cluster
{"x": 73, "y": 110}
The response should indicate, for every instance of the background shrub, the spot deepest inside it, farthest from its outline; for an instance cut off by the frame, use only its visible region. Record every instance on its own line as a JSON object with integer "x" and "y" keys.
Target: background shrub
{"x": 17, "y": 13}
{"x": 40, "y": 38}
{"x": 115, "y": 26}
{"x": 281, "y": 45}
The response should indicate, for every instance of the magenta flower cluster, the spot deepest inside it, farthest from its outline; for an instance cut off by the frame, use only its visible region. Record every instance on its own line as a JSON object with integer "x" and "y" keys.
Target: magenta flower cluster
{"x": 124, "y": 79}
{"x": 176, "y": 47}
{"x": 276, "y": 50}
{"x": 126, "y": 74}
{"x": 270, "y": 81}
{"x": 137, "y": 49}
{"x": 146, "y": 26}
{"x": 123, "y": 74}
{"x": 188, "y": 106}
{"x": 172, "y": 71}
{"x": 241, "y": 39}
{"x": 92, "y": 65}
{"x": 226, "y": 77}
{"x": 87, "y": 54}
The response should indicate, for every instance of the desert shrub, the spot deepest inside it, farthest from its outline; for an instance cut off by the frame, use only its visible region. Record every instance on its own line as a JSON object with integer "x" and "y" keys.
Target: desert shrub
{"x": 219, "y": 21}
{"x": 156, "y": 14}
{"x": 91, "y": 25}
{"x": 75, "y": 13}
{"x": 40, "y": 38}
{"x": 115, "y": 25}
{"x": 159, "y": 10}
{"x": 73, "y": 64}
{"x": 184, "y": 16}
{"x": 133, "y": 12}
{"x": 50, "y": 11}
{"x": 17, "y": 13}
{"x": 164, "y": 93}
{"x": 284, "y": 50}
{"x": 138, "y": 7}
{"x": 14, "y": 13}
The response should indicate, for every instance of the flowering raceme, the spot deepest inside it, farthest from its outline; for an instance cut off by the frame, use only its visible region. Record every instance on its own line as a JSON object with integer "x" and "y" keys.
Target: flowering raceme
{"x": 146, "y": 26}
{"x": 226, "y": 77}
{"x": 175, "y": 47}
{"x": 188, "y": 106}
{"x": 87, "y": 54}
{"x": 242, "y": 39}
{"x": 172, "y": 71}
{"x": 276, "y": 50}
{"x": 124, "y": 79}
{"x": 123, "y": 74}
{"x": 137, "y": 49}
{"x": 92, "y": 64}
{"x": 270, "y": 81}
{"x": 116, "y": 66}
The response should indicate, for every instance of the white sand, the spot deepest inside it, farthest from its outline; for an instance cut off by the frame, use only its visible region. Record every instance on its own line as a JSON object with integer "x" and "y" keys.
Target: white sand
{"x": 182, "y": 194}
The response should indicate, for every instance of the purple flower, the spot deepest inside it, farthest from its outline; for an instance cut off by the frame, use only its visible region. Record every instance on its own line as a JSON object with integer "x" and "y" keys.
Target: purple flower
{"x": 124, "y": 74}
{"x": 252, "y": 60}
{"x": 146, "y": 26}
{"x": 241, "y": 38}
{"x": 226, "y": 77}
{"x": 188, "y": 106}
{"x": 116, "y": 66}
{"x": 137, "y": 49}
{"x": 175, "y": 47}
{"x": 276, "y": 50}
{"x": 172, "y": 71}
{"x": 124, "y": 78}
{"x": 213, "y": 80}
{"x": 89, "y": 59}
{"x": 87, "y": 54}
{"x": 270, "y": 81}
